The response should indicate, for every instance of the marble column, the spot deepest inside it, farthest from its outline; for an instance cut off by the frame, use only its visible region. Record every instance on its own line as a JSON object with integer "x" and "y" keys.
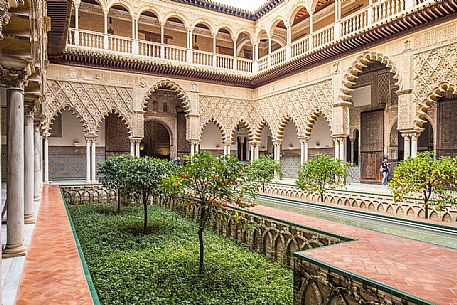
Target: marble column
{"x": 192, "y": 149}
{"x": 37, "y": 162}
{"x": 88, "y": 164}
{"x": 302, "y": 152}
{"x": 46, "y": 159}
{"x": 29, "y": 169}
{"x": 256, "y": 151}
{"x": 277, "y": 153}
{"x": 342, "y": 149}
{"x": 132, "y": 148}
{"x": 337, "y": 148}
{"x": 306, "y": 150}
{"x": 352, "y": 151}
{"x": 414, "y": 146}
{"x": 15, "y": 185}
{"x": 137, "y": 148}
{"x": 93, "y": 162}
{"x": 407, "y": 150}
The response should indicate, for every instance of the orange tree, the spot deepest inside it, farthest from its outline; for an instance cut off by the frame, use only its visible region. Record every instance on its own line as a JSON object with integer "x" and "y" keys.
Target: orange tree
{"x": 143, "y": 178}
{"x": 212, "y": 183}
{"x": 112, "y": 175}
{"x": 426, "y": 177}
{"x": 321, "y": 173}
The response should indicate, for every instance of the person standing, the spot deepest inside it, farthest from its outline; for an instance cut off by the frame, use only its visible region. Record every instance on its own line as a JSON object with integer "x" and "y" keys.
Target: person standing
{"x": 384, "y": 171}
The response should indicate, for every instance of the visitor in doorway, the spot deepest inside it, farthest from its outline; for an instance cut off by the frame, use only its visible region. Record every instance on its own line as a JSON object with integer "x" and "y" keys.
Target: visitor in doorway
{"x": 177, "y": 161}
{"x": 385, "y": 166}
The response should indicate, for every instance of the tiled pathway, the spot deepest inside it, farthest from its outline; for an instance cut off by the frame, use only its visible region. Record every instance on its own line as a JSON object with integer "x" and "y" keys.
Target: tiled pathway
{"x": 53, "y": 272}
{"x": 417, "y": 268}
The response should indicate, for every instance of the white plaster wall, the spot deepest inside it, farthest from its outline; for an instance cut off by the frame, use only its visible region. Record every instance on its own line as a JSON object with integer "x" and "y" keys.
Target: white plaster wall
{"x": 321, "y": 134}
{"x": 73, "y": 132}
{"x": 266, "y": 133}
{"x": 211, "y": 138}
{"x": 290, "y": 138}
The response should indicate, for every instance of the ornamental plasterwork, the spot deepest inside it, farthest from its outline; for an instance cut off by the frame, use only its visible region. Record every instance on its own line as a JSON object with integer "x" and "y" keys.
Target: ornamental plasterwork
{"x": 227, "y": 113}
{"x": 4, "y": 16}
{"x": 433, "y": 68}
{"x": 298, "y": 105}
{"x": 89, "y": 102}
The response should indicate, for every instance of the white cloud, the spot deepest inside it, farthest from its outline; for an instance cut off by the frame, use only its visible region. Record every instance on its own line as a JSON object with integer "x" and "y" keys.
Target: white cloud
{"x": 250, "y": 5}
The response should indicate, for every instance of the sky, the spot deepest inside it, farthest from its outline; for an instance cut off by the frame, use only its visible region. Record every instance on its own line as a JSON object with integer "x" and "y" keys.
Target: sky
{"x": 250, "y": 5}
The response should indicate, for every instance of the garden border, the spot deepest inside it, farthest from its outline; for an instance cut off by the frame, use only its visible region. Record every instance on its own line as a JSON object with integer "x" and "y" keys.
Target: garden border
{"x": 90, "y": 283}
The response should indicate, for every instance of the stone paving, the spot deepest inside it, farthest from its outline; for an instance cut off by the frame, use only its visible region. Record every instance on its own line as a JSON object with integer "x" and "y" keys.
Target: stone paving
{"x": 54, "y": 274}
{"x": 417, "y": 268}
{"x": 53, "y": 271}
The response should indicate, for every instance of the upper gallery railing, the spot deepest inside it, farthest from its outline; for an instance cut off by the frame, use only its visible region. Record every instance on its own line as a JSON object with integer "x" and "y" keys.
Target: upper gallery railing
{"x": 376, "y": 13}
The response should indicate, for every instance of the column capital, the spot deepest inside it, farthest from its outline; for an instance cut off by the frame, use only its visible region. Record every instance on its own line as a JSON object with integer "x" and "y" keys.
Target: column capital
{"x": 303, "y": 139}
{"x": 13, "y": 79}
{"x": 338, "y": 138}
{"x": 90, "y": 137}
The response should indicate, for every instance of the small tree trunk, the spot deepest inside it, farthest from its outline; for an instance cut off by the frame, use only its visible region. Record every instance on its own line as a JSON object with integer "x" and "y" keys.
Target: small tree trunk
{"x": 200, "y": 239}
{"x": 426, "y": 203}
{"x": 322, "y": 197}
{"x": 263, "y": 187}
{"x": 145, "y": 205}
{"x": 118, "y": 200}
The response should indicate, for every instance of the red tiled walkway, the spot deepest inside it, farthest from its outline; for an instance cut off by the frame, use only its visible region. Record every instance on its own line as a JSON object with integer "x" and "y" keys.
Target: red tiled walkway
{"x": 53, "y": 271}
{"x": 421, "y": 269}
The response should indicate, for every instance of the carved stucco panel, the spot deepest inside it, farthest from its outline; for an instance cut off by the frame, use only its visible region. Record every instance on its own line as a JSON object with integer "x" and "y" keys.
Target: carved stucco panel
{"x": 90, "y": 103}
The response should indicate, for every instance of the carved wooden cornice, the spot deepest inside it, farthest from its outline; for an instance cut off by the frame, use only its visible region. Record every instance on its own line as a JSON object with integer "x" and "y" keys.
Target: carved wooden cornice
{"x": 438, "y": 12}
{"x": 233, "y": 11}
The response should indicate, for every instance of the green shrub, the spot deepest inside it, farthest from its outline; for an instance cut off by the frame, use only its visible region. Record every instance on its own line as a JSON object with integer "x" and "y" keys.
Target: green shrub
{"x": 128, "y": 267}
{"x": 143, "y": 178}
{"x": 112, "y": 173}
{"x": 320, "y": 173}
{"x": 264, "y": 170}
{"x": 425, "y": 176}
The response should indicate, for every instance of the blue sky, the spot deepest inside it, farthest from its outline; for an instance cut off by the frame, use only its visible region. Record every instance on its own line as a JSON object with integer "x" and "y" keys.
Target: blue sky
{"x": 251, "y": 5}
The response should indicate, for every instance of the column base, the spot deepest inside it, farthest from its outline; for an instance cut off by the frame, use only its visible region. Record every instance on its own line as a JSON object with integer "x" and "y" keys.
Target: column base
{"x": 29, "y": 219}
{"x": 13, "y": 251}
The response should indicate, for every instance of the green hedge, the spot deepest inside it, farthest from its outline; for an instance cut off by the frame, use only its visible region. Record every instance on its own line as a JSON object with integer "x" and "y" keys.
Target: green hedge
{"x": 162, "y": 267}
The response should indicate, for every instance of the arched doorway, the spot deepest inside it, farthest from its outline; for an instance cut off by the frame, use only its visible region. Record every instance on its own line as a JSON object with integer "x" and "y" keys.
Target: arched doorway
{"x": 266, "y": 142}
{"x": 67, "y": 148}
{"x": 374, "y": 104}
{"x": 290, "y": 148}
{"x": 165, "y": 122}
{"x": 241, "y": 141}
{"x": 320, "y": 141}
{"x": 211, "y": 139}
{"x": 446, "y": 135}
{"x": 157, "y": 141}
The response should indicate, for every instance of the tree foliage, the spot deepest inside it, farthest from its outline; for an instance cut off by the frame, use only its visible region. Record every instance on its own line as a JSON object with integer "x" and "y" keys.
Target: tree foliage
{"x": 112, "y": 173}
{"x": 143, "y": 177}
{"x": 264, "y": 170}
{"x": 212, "y": 183}
{"x": 320, "y": 173}
{"x": 426, "y": 177}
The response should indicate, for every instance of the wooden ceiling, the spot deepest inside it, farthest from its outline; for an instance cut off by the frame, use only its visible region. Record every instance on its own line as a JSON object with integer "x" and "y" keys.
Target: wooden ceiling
{"x": 59, "y": 12}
